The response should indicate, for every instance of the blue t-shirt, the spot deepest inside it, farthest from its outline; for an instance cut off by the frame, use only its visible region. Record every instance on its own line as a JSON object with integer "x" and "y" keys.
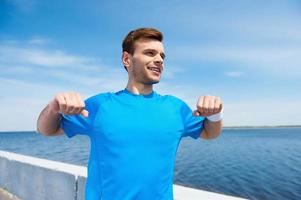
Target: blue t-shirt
{"x": 134, "y": 139}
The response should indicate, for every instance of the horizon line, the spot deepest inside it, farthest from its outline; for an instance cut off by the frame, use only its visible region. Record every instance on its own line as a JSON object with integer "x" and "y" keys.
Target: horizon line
{"x": 226, "y": 127}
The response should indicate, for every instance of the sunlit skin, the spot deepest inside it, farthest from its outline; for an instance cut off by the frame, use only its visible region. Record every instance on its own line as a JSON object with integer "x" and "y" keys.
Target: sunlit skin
{"x": 145, "y": 66}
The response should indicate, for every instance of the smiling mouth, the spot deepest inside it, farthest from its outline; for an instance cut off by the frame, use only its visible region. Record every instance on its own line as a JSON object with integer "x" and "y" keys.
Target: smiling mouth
{"x": 155, "y": 69}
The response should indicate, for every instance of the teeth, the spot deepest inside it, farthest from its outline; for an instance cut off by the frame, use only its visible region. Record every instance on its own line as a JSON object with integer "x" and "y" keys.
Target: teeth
{"x": 154, "y": 69}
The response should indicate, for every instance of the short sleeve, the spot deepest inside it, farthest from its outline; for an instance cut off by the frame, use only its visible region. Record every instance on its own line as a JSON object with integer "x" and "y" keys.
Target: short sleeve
{"x": 78, "y": 124}
{"x": 73, "y": 125}
{"x": 193, "y": 125}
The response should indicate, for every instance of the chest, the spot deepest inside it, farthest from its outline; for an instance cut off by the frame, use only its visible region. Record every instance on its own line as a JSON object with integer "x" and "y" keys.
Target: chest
{"x": 143, "y": 124}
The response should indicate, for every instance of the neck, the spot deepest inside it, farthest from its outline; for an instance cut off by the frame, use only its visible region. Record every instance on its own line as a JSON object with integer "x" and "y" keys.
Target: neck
{"x": 139, "y": 88}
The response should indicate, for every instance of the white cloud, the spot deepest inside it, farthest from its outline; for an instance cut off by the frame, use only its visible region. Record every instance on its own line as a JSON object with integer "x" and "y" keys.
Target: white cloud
{"x": 16, "y": 69}
{"x": 274, "y": 60}
{"x": 243, "y": 54}
{"x": 234, "y": 74}
{"x": 38, "y": 41}
{"x": 20, "y": 60}
{"x": 261, "y": 113}
{"x": 171, "y": 71}
{"x": 34, "y": 56}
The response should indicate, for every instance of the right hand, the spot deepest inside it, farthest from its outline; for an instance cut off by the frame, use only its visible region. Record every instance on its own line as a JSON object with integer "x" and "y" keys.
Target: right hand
{"x": 68, "y": 103}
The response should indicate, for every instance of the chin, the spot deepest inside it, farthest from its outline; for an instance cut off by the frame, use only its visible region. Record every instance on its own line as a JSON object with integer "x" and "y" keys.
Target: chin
{"x": 151, "y": 82}
{"x": 150, "y": 79}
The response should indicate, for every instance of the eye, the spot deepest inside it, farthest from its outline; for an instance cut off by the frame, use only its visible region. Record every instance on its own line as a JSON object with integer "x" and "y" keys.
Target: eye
{"x": 150, "y": 53}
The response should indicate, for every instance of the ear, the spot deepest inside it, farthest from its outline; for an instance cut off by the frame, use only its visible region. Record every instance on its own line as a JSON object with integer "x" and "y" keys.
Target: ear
{"x": 126, "y": 59}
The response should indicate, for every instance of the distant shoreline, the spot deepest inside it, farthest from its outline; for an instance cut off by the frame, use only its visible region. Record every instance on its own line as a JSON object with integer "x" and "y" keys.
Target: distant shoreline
{"x": 225, "y": 127}
{"x": 254, "y": 127}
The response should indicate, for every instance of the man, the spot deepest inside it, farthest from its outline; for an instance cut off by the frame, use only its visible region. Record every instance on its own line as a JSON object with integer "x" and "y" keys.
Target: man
{"x": 135, "y": 132}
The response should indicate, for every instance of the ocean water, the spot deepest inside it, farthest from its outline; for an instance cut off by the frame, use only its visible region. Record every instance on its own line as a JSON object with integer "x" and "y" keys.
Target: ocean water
{"x": 260, "y": 164}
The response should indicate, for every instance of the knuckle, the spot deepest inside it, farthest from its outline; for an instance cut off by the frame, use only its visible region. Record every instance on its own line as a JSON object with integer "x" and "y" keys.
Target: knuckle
{"x": 77, "y": 108}
{"x": 71, "y": 106}
{"x": 63, "y": 104}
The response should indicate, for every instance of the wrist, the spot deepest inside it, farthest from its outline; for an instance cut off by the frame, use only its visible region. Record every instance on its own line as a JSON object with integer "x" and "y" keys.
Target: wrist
{"x": 216, "y": 117}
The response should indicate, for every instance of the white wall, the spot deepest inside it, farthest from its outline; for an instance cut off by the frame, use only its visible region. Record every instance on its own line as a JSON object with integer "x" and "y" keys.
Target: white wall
{"x": 32, "y": 178}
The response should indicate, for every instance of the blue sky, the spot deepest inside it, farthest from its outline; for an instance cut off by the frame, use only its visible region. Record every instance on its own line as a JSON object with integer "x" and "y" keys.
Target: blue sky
{"x": 246, "y": 52}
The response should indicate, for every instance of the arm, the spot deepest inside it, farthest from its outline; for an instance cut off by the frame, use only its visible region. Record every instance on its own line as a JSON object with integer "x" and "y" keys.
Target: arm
{"x": 49, "y": 122}
{"x": 211, "y": 129}
{"x": 211, "y": 108}
{"x": 69, "y": 103}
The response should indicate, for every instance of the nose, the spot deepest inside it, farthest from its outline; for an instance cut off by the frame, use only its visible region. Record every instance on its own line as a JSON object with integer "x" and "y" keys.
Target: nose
{"x": 159, "y": 60}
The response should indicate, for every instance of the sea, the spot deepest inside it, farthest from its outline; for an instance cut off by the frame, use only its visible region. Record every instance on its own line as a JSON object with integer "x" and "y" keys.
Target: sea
{"x": 253, "y": 163}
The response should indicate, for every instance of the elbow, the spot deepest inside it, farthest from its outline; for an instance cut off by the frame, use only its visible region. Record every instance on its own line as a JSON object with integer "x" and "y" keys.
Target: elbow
{"x": 44, "y": 132}
{"x": 39, "y": 131}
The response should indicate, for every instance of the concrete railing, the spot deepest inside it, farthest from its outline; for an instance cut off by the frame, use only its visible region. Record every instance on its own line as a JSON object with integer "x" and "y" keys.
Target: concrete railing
{"x": 31, "y": 178}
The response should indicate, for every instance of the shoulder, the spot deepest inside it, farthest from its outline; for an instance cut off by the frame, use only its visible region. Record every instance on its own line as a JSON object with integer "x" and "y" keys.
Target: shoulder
{"x": 98, "y": 98}
{"x": 176, "y": 101}
{"x": 173, "y": 99}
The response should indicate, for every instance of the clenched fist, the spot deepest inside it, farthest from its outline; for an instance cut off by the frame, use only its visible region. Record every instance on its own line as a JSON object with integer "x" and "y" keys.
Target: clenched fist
{"x": 208, "y": 105}
{"x": 68, "y": 103}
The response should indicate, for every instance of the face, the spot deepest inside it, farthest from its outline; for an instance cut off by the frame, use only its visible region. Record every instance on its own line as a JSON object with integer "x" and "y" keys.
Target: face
{"x": 147, "y": 63}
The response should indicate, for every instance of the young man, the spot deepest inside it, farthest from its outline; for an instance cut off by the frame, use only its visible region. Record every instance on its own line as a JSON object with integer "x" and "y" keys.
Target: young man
{"x": 135, "y": 132}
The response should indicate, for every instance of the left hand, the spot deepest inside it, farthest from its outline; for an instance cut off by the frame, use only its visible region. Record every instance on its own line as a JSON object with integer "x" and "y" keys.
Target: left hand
{"x": 208, "y": 105}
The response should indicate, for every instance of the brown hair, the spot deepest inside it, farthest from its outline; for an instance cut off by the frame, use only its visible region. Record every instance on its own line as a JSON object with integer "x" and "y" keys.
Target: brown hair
{"x": 134, "y": 35}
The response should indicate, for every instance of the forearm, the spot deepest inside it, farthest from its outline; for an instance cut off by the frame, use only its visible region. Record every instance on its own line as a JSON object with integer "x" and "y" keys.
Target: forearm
{"x": 211, "y": 129}
{"x": 49, "y": 121}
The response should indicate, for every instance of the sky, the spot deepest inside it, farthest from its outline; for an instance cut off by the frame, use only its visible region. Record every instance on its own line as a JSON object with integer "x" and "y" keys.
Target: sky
{"x": 246, "y": 52}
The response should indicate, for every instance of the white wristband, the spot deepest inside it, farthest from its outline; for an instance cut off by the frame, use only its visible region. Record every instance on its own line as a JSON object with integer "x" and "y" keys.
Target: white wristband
{"x": 216, "y": 117}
